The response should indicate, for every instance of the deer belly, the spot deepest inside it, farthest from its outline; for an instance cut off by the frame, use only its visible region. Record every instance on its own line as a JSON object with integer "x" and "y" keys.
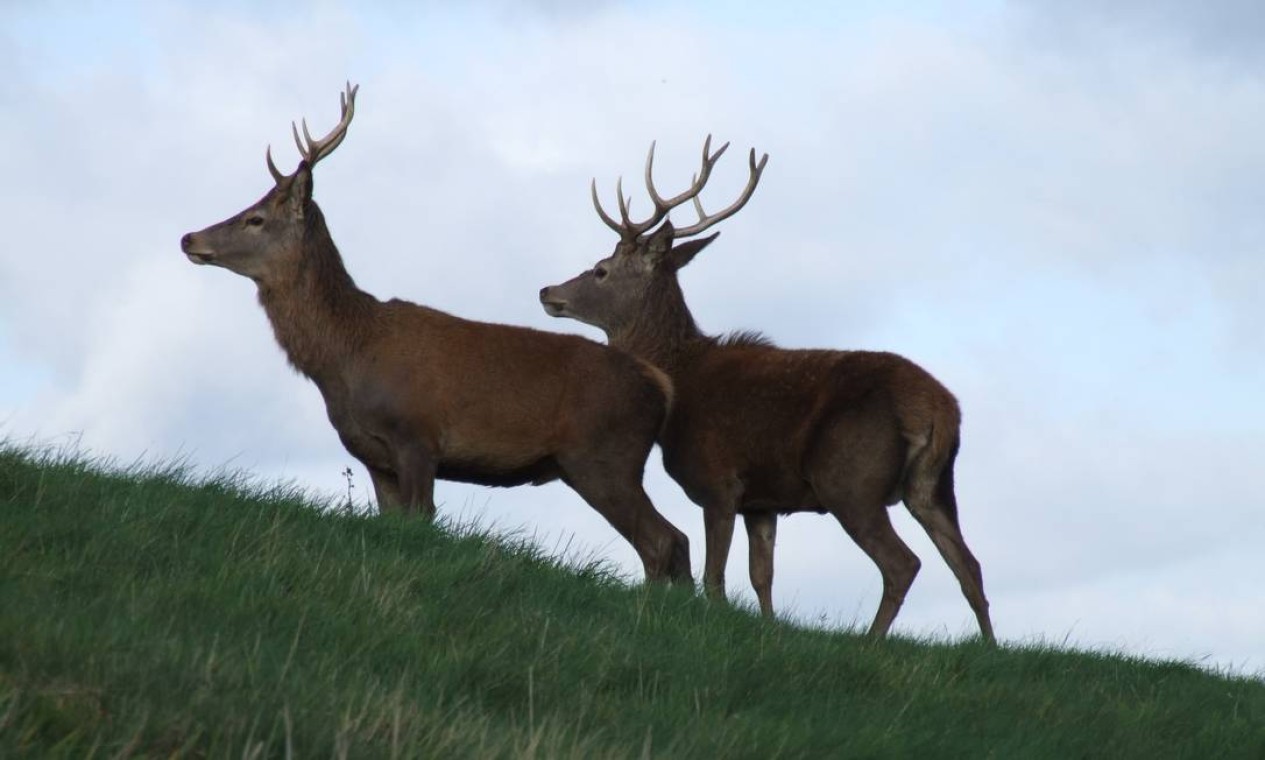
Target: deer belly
{"x": 780, "y": 490}
{"x": 496, "y": 452}
{"x": 708, "y": 477}
{"x": 485, "y": 473}
{"x": 498, "y": 445}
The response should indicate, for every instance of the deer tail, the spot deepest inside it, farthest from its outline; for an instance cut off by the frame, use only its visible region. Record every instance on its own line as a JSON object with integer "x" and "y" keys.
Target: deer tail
{"x": 929, "y": 477}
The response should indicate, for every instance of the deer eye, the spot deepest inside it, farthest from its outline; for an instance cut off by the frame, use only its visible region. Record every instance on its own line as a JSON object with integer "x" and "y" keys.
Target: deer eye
{"x": 600, "y": 273}
{"x": 254, "y": 221}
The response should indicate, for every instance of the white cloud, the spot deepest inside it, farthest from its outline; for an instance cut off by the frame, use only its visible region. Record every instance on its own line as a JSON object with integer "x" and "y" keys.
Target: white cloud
{"x": 1069, "y": 239}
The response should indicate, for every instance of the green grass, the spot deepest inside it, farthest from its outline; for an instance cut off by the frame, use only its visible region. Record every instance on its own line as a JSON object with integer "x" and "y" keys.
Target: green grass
{"x": 146, "y": 613}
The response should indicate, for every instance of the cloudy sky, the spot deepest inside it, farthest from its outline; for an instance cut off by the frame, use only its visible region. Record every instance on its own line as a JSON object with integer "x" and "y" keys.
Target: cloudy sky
{"x": 1057, "y": 209}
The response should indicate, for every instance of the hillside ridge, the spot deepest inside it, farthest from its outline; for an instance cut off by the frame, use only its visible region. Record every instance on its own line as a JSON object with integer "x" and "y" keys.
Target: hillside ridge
{"x": 148, "y": 612}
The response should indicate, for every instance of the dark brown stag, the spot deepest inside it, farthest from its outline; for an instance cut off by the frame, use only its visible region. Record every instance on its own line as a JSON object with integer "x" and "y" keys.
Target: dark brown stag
{"x": 758, "y": 430}
{"x": 417, "y": 394}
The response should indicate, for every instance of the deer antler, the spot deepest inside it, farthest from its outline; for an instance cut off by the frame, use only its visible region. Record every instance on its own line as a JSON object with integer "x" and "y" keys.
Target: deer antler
{"x": 629, "y": 230}
{"x": 315, "y": 150}
{"x": 705, "y": 221}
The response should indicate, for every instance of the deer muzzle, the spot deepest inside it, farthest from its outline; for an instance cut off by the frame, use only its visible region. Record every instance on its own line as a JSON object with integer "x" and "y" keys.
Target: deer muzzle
{"x": 554, "y": 305}
{"x": 194, "y": 250}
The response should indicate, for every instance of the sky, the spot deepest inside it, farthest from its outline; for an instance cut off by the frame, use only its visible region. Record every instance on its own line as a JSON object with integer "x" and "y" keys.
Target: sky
{"x": 1055, "y": 207}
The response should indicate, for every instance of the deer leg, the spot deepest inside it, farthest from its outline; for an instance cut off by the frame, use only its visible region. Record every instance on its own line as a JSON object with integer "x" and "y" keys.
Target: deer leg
{"x": 871, "y": 528}
{"x": 664, "y": 550}
{"x": 862, "y": 511}
{"x": 718, "y": 527}
{"x": 387, "y": 490}
{"x": 943, "y": 529}
{"x": 859, "y": 507}
{"x": 416, "y": 467}
{"x": 761, "y": 535}
{"x": 855, "y": 468}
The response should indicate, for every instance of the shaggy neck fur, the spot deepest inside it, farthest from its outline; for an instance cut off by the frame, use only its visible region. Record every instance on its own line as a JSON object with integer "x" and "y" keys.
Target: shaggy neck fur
{"x": 663, "y": 332}
{"x": 318, "y": 315}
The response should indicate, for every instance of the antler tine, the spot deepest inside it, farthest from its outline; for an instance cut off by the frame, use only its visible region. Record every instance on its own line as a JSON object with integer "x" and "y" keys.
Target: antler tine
{"x": 307, "y": 136}
{"x": 277, "y": 176}
{"x": 709, "y": 164}
{"x": 705, "y": 221}
{"x": 698, "y": 205}
{"x": 623, "y": 205}
{"x": 294, "y": 130}
{"x": 654, "y": 196}
{"x": 597, "y": 204}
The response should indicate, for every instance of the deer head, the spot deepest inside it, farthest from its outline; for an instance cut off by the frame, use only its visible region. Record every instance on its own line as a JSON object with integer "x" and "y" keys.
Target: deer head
{"x": 266, "y": 236}
{"x": 619, "y": 288}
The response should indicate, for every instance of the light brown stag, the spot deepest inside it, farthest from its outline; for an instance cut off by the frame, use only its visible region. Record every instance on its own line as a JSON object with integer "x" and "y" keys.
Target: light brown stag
{"x": 417, "y": 394}
{"x": 758, "y": 430}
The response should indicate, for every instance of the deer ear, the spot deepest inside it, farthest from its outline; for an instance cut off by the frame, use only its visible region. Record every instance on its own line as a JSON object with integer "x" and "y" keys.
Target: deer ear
{"x": 300, "y": 190}
{"x": 659, "y": 245}
{"x": 685, "y": 252}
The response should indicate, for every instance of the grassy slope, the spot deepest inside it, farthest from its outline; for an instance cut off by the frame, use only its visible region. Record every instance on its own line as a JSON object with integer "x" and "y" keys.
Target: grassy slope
{"x": 142, "y": 613}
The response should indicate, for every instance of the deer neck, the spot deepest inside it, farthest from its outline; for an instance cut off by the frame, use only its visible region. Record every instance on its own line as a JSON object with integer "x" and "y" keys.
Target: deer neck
{"x": 318, "y": 315}
{"x": 663, "y": 332}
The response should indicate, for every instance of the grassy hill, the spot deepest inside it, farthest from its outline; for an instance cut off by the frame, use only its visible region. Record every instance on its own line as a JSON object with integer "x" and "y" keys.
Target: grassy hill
{"x": 143, "y": 613}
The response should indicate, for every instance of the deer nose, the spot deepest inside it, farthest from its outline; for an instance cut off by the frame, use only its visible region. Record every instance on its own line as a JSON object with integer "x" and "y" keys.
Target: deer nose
{"x": 185, "y": 241}
{"x": 544, "y": 292}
